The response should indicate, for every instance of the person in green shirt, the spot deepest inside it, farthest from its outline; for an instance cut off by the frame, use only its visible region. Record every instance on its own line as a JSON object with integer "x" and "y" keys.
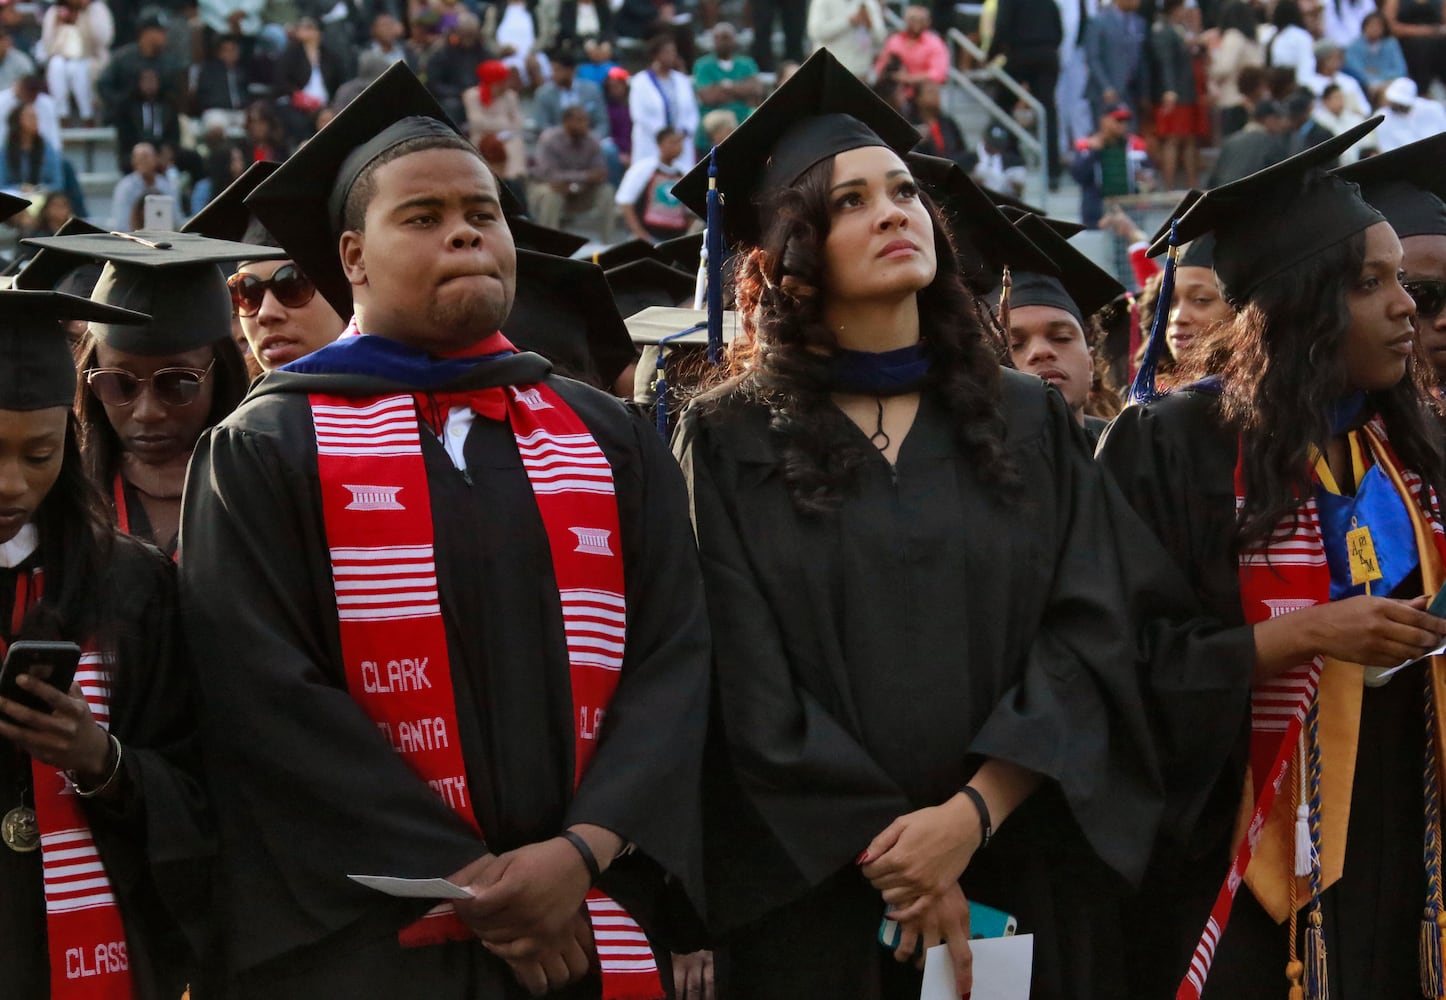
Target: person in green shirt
{"x": 725, "y": 79}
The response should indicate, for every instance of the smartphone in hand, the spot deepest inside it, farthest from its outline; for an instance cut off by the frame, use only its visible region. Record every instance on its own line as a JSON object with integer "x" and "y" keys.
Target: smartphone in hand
{"x": 52, "y": 662}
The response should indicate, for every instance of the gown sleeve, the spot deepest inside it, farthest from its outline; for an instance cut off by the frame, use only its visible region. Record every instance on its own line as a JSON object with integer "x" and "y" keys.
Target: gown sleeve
{"x": 307, "y": 790}
{"x": 643, "y": 782}
{"x": 815, "y": 788}
{"x": 1174, "y": 466}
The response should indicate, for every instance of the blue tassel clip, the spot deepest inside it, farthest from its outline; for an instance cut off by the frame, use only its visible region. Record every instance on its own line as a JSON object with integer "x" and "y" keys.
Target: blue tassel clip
{"x": 1142, "y": 389}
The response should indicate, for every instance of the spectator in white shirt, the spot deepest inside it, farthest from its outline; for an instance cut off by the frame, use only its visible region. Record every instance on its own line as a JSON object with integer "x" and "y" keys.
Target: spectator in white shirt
{"x": 1343, "y": 19}
{"x": 1409, "y": 117}
{"x": 661, "y": 97}
{"x": 27, "y": 91}
{"x": 14, "y": 63}
{"x": 1287, "y": 42}
{"x": 1329, "y": 58}
{"x": 75, "y": 40}
{"x": 1334, "y": 114}
{"x": 853, "y": 30}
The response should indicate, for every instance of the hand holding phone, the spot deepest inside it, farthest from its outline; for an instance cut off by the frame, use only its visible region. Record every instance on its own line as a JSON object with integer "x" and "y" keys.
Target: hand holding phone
{"x": 51, "y": 662}
{"x": 44, "y": 715}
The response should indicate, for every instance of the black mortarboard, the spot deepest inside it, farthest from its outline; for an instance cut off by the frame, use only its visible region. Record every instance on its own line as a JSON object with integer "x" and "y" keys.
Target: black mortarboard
{"x": 1279, "y": 216}
{"x": 528, "y": 235}
{"x": 37, "y": 370}
{"x": 12, "y": 205}
{"x": 984, "y": 239}
{"x": 649, "y": 282}
{"x": 1406, "y": 185}
{"x": 226, "y": 217}
{"x": 1066, "y": 229}
{"x": 821, "y": 111}
{"x": 1002, "y": 201}
{"x": 53, "y": 270}
{"x": 624, "y": 253}
{"x": 1082, "y": 289}
{"x": 1200, "y": 252}
{"x": 682, "y": 251}
{"x": 665, "y": 325}
{"x": 301, "y": 203}
{"x": 564, "y": 311}
{"x": 171, "y": 277}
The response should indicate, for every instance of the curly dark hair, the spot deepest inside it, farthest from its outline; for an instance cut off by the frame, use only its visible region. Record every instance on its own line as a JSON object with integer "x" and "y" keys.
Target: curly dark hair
{"x": 781, "y": 361}
{"x": 1284, "y": 372}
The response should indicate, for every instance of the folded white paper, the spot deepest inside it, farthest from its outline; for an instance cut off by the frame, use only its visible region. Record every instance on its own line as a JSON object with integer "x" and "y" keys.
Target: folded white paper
{"x": 412, "y": 888}
{"x": 1002, "y": 970}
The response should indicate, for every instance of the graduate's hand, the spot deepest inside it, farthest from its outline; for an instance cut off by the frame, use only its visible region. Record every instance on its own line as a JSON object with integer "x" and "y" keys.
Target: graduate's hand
{"x": 923, "y": 852}
{"x": 941, "y": 918}
{"x": 535, "y": 892}
{"x": 68, "y": 738}
{"x": 693, "y": 976}
{"x": 544, "y": 966}
{"x": 1373, "y": 631}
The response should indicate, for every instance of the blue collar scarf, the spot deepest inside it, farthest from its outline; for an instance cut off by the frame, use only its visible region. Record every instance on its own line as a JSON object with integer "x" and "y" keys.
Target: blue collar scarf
{"x": 379, "y": 357}
{"x": 886, "y": 373}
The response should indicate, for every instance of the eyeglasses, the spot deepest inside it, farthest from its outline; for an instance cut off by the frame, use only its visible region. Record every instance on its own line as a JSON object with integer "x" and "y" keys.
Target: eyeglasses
{"x": 171, "y": 386}
{"x": 1428, "y": 294}
{"x": 292, "y": 288}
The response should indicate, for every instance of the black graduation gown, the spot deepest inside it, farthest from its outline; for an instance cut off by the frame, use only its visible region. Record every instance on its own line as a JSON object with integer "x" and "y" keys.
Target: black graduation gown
{"x": 148, "y": 842}
{"x": 867, "y": 660}
{"x": 139, "y": 521}
{"x": 1175, "y": 461}
{"x": 307, "y": 790}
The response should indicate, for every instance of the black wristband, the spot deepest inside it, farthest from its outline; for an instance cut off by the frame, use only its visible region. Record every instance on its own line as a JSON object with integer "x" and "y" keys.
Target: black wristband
{"x": 985, "y": 826}
{"x": 594, "y": 872}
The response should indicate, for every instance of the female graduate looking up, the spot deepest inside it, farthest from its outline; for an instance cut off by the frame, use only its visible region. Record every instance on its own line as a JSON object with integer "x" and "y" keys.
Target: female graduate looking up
{"x": 148, "y": 392}
{"x": 1299, "y": 490}
{"x": 91, "y": 792}
{"x": 918, "y": 623}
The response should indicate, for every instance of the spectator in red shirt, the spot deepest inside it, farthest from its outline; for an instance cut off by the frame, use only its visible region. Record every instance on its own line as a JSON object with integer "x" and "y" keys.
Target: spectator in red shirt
{"x": 921, "y": 52}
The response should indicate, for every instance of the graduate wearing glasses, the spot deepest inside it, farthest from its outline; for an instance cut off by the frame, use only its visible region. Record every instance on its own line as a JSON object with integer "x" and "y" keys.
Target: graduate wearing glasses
{"x": 281, "y": 316}
{"x": 147, "y": 392}
{"x": 1406, "y": 185}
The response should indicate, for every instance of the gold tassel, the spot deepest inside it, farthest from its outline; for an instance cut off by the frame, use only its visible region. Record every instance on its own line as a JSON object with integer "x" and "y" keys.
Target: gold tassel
{"x": 1317, "y": 982}
{"x": 1293, "y": 971}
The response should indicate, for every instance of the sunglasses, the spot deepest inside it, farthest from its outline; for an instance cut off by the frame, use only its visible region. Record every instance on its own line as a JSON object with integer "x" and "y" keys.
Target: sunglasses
{"x": 1428, "y": 294}
{"x": 171, "y": 386}
{"x": 292, "y": 289}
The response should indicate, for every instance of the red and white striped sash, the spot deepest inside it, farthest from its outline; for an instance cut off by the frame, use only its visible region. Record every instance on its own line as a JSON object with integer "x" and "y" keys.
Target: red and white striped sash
{"x": 377, "y": 510}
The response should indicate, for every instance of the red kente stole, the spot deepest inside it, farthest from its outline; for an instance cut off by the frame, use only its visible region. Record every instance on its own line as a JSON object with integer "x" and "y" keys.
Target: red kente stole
{"x": 377, "y": 510}
{"x": 87, "y": 940}
{"x": 1288, "y": 573}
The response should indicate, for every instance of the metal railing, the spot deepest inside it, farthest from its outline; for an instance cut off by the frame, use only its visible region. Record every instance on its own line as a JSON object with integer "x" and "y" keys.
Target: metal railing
{"x": 1032, "y": 143}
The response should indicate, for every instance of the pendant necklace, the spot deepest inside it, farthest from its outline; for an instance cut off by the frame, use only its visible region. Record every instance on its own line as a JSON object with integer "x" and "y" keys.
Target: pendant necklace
{"x": 879, "y": 438}
{"x": 18, "y": 829}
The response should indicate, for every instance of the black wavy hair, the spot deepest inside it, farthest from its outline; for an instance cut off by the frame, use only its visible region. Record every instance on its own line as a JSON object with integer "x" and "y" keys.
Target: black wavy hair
{"x": 1284, "y": 371}
{"x": 782, "y": 360}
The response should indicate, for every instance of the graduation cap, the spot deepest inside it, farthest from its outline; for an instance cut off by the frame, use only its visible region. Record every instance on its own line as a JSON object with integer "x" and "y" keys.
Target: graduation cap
{"x": 564, "y": 310}
{"x": 682, "y": 251}
{"x": 985, "y": 240}
{"x": 624, "y": 253}
{"x": 38, "y": 371}
{"x": 1082, "y": 288}
{"x": 1065, "y": 228}
{"x": 1201, "y": 250}
{"x": 226, "y": 217}
{"x": 821, "y": 111}
{"x": 55, "y": 270}
{"x": 171, "y": 277}
{"x": 658, "y": 326}
{"x": 1002, "y": 200}
{"x": 649, "y": 282}
{"x": 1277, "y": 217}
{"x": 301, "y": 203}
{"x": 1406, "y": 185}
{"x": 528, "y": 235}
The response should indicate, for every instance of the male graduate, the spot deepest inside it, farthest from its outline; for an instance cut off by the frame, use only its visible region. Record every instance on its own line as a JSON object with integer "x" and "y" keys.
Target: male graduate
{"x": 449, "y": 612}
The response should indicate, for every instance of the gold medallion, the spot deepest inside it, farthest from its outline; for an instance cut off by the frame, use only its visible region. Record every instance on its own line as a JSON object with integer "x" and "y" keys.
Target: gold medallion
{"x": 20, "y": 831}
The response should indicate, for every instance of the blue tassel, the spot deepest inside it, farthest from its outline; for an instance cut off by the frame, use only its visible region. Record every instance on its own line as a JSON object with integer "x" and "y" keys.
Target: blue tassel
{"x": 1142, "y": 389}
{"x": 713, "y": 248}
{"x": 663, "y": 402}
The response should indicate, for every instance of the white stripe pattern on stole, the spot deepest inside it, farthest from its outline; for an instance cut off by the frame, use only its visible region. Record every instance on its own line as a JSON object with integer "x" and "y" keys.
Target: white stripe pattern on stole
{"x": 386, "y": 428}
{"x": 621, "y": 944}
{"x": 74, "y": 877}
{"x": 386, "y": 583}
{"x": 94, "y": 681}
{"x": 595, "y": 622}
{"x": 1274, "y": 706}
{"x": 562, "y": 463}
